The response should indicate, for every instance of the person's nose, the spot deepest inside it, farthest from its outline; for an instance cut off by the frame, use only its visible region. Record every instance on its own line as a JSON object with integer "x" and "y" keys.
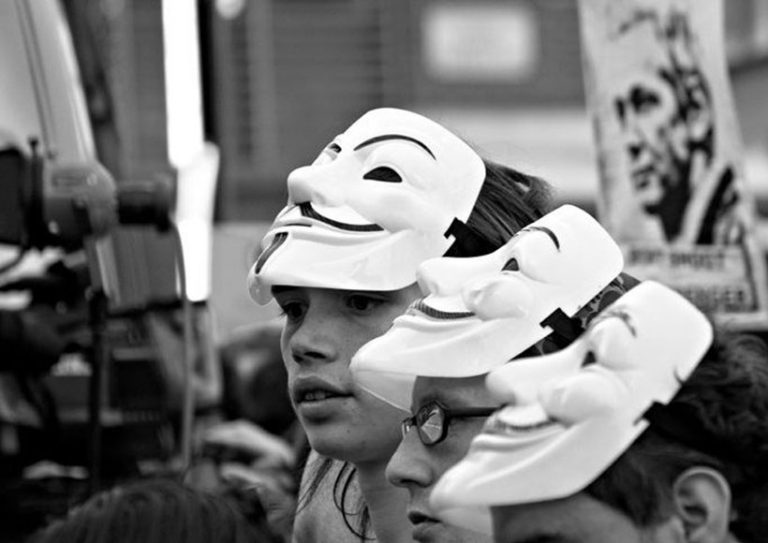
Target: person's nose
{"x": 635, "y": 149}
{"x": 634, "y": 136}
{"x": 409, "y": 467}
{"x": 315, "y": 339}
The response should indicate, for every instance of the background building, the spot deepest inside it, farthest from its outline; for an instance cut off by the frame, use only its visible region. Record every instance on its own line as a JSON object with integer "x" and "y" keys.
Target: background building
{"x": 283, "y": 75}
{"x": 280, "y": 77}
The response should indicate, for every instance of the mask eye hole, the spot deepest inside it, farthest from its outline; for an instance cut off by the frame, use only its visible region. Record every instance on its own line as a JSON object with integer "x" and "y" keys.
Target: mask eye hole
{"x": 589, "y": 359}
{"x": 328, "y": 154}
{"x": 511, "y": 265}
{"x": 384, "y": 174}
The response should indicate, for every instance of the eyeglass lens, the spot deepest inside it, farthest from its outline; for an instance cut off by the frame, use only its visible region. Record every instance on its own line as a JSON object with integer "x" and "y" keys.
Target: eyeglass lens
{"x": 430, "y": 423}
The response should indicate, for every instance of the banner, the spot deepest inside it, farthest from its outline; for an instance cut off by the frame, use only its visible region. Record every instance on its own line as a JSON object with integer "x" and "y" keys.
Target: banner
{"x": 669, "y": 152}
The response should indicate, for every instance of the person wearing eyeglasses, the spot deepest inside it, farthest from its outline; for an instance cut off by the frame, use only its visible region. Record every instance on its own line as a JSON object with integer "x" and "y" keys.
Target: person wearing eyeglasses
{"x": 536, "y": 292}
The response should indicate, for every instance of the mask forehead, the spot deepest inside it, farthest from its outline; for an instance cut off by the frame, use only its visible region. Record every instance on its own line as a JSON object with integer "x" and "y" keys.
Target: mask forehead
{"x": 481, "y": 312}
{"x": 572, "y": 413}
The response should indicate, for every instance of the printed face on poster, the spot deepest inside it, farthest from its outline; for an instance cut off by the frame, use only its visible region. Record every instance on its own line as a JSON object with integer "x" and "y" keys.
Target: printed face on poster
{"x": 669, "y": 151}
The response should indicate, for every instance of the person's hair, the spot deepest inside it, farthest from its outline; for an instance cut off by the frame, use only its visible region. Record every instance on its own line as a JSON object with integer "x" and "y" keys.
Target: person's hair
{"x": 726, "y": 398}
{"x": 157, "y": 511}
{"x": 581, "y": 320}
{"x": 508, "y": 201}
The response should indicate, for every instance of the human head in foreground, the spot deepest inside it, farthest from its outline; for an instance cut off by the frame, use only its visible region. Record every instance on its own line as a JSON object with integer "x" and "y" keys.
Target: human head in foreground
{"x": 157, "y": 511}
{"x": 479, "y": 313}
{"x": 340, "y": 259}
{"x": 643, "y": 430}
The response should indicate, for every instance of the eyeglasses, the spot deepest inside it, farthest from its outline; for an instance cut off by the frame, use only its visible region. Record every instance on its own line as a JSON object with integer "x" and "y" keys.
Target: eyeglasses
{"x": 432, "y": 420}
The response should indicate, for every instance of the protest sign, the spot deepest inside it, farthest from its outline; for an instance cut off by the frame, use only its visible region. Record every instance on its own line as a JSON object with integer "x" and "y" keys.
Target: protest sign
{"x": 669, "y": 151}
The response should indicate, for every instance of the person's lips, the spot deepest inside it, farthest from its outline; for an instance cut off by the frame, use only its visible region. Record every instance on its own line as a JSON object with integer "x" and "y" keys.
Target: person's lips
{"x": 642, "y": 176}
{"x": 423, "y": 526}
{"x": 315, "y": 389}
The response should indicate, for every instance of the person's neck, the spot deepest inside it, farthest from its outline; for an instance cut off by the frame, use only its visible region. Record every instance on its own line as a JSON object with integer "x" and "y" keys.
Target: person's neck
{"x": 387, "y": 504}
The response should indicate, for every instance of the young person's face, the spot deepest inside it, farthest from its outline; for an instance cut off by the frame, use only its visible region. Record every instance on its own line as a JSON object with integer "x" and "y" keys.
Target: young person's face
{"x": 323, "y": 329}
{"x": 417, "y": 467}
{"x": 576, "y": 519}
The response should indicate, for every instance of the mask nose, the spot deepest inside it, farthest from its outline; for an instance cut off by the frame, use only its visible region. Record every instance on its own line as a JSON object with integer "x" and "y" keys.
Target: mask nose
{"x": 499, "y": 297}
{"x": 447, "y": 276}
{"x": 316, "y": 184}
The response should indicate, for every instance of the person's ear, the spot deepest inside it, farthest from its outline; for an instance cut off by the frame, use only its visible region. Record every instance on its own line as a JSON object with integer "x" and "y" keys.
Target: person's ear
{"x": 702, "y": 502}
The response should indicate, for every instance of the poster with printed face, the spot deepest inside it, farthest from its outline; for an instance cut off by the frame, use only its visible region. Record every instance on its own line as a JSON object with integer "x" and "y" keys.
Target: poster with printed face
{"x": 669, "y": 152}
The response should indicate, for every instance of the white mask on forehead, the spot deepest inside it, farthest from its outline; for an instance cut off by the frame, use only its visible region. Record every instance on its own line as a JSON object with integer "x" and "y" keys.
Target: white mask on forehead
{"x": 571, "y": 414}
{"x": 376, "y": 202}
{"x": 439, "y": 175}
{"x": 481, "y": 312}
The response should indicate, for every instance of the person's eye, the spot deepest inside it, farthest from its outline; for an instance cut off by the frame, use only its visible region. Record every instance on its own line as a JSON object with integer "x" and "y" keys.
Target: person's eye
{"x": 293, "y": 310}
{"x": 432, "y": 423}
{"x": 648, "y": 101}
{"x": 511, "y": 265}
{"x": 363, "y": 303}
{"x": 383, "y": 174}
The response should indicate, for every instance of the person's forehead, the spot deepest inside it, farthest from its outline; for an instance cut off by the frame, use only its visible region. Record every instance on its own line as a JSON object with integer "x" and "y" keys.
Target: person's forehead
{"x": 411, "y": 291}
{"x": 464, "y": 391}
{"x": 640, "y": 47}
{"x": 576, "y": 518}
{"x": 644, "y": 74}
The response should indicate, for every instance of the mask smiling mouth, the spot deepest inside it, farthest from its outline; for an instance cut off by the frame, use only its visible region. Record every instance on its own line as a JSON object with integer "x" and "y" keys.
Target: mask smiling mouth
{"x": 420, "y": 306}
{"x": 310, "y": 212}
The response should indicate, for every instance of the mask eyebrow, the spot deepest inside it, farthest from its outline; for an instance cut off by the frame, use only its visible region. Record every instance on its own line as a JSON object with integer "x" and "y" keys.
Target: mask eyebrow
{"x": 387, "y": 137}
{"x": 617, "y": 313}
{"x": 547, "y": 231}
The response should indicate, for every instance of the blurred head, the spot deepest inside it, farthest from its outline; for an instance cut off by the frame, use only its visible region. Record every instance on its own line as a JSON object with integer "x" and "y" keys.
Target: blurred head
{"x": 340, "y": 259}
{"x": 663, "y": 105}
{"x": 255, "y": 384}
{"x": 156, "y": 511}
